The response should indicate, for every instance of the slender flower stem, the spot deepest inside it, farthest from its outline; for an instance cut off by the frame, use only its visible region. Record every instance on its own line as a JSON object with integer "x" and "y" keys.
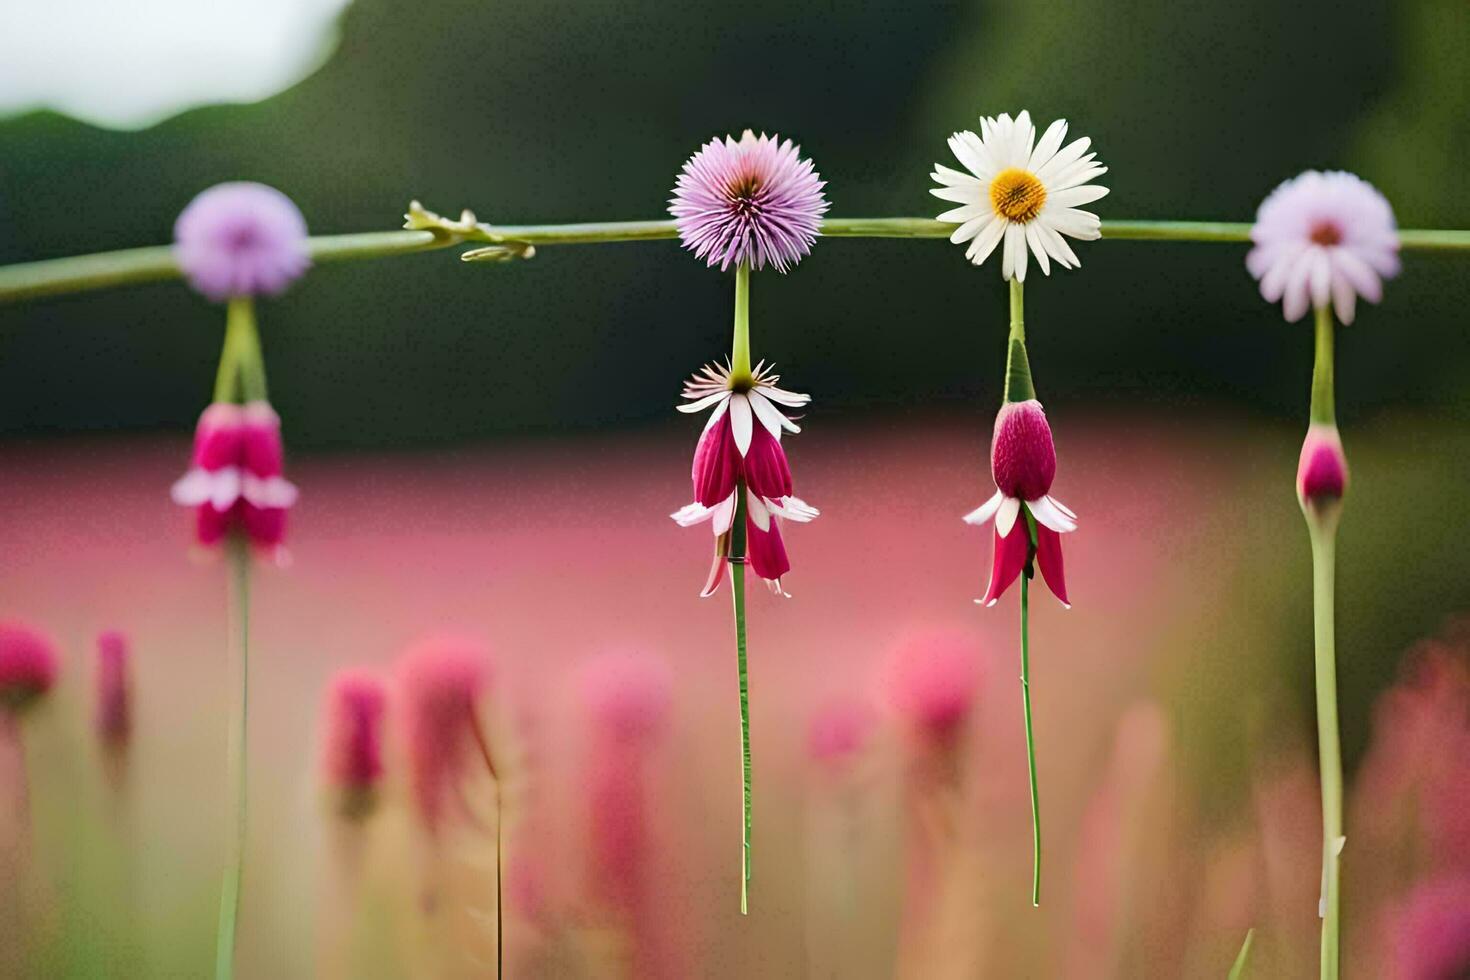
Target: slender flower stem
{"x": 740, "y": 341}
{"x": 1030, "y": 739}
{"x": 229, "y": 905}
{"x": 1018, "y": 386}
{"x": 1237, "y": 969}
{"x": 737, "y": 590}
{"x": 1322, "y": 518}
{"x": 52, "y": 277}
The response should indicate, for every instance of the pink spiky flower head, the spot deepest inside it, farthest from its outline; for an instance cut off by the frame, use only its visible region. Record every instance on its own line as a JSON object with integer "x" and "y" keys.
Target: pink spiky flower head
{"x": 28, "y": 665}
{"x": 440, "y": 681}
{"x": 1023, "y": 462}
{"x": 1320, "y": 238}
{"x": 739, "y": 460}
{"x": 352, "y": 739}
{"x": 114, "y": 715}
{"x": 241, "y": 239}
{"x": 932, "y": 682}
{"x": 235, "y": 482}
{"x": 751, "y": 202}
{"x": 1322, "y": 469}
{"x": 1432, "y": 932}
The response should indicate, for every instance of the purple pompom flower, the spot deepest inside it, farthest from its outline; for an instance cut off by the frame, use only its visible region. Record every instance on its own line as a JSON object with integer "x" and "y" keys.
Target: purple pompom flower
{"x": 1320, "y": 238}
{"x": 241, "y": 239}
{"x": 750, "y": 202}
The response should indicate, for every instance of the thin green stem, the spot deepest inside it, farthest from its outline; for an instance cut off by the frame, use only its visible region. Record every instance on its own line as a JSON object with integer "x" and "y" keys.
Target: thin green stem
{"x": 1030, "y": 739}
{"x": 737, "y": 590}
{"x": 229, "y": 904}
{"x": 1018, "y": 385}
{"x": 740, "y": 341}
{"x": 1323, "y": 400}
{"x": 1324, "y": 544}
{"x": 1237, "y": 969}
{"x": 74, "y": 274}
{"x": 233, "y": 352}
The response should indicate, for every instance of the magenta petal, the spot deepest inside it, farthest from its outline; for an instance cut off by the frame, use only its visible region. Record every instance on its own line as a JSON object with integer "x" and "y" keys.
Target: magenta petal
{"x": 261, "y": 448}
{"x": 716, "y": 463}
{"x": 266, "y": 526}
{"x": 1023, "y": 459}
{"x": 1010, "y": 557}
{"x": 767, "y": 474}
{"x": 218, "y": 438}
{"x": 1049, "y": 557}
{"x": 210, "y": 525}
{"x": 766, "y": 551}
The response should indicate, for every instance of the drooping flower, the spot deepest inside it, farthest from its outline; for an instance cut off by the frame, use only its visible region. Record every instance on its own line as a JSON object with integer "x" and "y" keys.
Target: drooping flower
{"x": 753, "y": 202}
{"x": 114, "y": 715}
{"x": 235, "y": 481}
{"x": 440, "y": 680}
{"x": 1023, "y": 462}
{"x": 352, "y": 738}
{"x": 28, "y": 665}
{"x": 738, "y": 460}
{"x": 1322, "y": 470}
{"x": 1020, "y": 192}
{"x": 1320, "y": 238}
{"x": 241, "y": 239}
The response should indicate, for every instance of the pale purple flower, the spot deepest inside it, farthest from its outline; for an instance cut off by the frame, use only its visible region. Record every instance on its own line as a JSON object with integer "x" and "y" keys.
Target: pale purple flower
{"x": 1320, "y": 238}
{"x": 750, "y": 202}
{"x": 241, "y": 239}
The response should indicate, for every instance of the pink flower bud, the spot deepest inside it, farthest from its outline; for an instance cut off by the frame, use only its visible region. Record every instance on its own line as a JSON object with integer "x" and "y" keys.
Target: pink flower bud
{"x": 114, "y": 716}
{"x": 440, "y": 681}
{"x": 218, "y": 438}
{"x": 933, "y": 681}
{"x": 352, "y": 736}
{"x": 27, "y": 665}
{"x": 1322, "y": 470}
{"x": 235, "y": 483}
{"x": 1023, "y": 459}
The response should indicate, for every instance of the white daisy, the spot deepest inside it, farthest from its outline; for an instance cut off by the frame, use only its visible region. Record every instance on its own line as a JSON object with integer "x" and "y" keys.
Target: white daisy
{"x": 1020, "y": 191}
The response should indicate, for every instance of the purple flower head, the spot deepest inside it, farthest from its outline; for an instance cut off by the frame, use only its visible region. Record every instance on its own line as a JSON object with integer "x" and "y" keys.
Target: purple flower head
{"x": 749, "y": 202}
{"x": 241, "y": 239}
{"x": 1320, "y": 238}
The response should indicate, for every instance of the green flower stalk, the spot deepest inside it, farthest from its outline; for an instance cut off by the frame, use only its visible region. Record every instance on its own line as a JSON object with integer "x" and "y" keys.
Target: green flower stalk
{"x": 747, "y": 204}
{"x": 1322, "y": 240}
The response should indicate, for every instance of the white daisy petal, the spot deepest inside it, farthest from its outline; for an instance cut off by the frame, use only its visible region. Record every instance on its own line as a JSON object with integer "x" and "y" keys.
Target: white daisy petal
{"x": 703, "y": 403}
{"x": 986, "y": 241}
{"x": 1073, "y": 197}
{"x": 1005, "y": 517}
{"x": 973, "y": 227}
{"x": 1051, "y": 140}
{"x": 964, "y": 151}
{"x": 741, "y": 422}
{"x": 960, "y": 195}
{"x": 1033, "y": 238}
{"x": 952, "y": 177}
{"x": 1064, "y": 158}
{"x": 965, "y": 213}
{"x": 985, "y": 511}
{"x": 1016, "y": 242}
{"x": 791, "y": 399}
{"x": 770, "y": 416}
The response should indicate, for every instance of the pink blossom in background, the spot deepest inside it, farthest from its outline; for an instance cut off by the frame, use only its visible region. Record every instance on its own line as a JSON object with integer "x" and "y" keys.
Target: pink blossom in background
{"x": 353, "y": 712}
{"x": 1320, "y": 238}
{"x": 114, "y": 716}
{"x": 28, "y": 664}
{"x": 839, "y": 731}
{"x": 932, "y": 681}
{"x": 1023, "y": 462}
{"x": 1431, "y": 938}
{"x": 751, "y": 202}
{"x": 1322, "y": 469}
{"x": 235, "y": 481}
{"x": 739, "y": 455}
{"x": 440, "y": 681}
{"x": 241, "y": 239}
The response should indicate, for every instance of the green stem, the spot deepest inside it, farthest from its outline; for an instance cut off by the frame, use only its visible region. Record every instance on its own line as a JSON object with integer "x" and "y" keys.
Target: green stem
{"x": 740, "y": 341}
{"x": 1324, "y": 538}
{"x": 1237, "y": 969}
{"x": 52, "y": 277}
{"x": 1018, "y": 386}
{"x": 229, "y": 904}
{"x": 1030, "y": 739}
{"x": 1323, "y": 401}
{"x": 737, "y": 589}
{"x": 232, "y": 353}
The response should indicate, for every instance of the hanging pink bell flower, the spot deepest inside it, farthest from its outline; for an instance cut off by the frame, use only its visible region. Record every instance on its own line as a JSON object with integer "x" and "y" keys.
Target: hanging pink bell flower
{"x": 1322, "y": 470}
{"x": 739, "y": 459}
{"x": 1023, "y": 462}
{"x": 235, "y": 482}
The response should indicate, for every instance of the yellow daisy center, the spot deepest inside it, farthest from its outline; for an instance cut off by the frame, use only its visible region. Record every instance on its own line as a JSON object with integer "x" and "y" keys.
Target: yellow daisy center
{"x": 1017, "y": 195}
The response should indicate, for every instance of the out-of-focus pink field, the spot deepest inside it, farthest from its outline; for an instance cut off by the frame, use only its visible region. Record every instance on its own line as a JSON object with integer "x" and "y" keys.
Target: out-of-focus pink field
{"x": 1178, "y": 789}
